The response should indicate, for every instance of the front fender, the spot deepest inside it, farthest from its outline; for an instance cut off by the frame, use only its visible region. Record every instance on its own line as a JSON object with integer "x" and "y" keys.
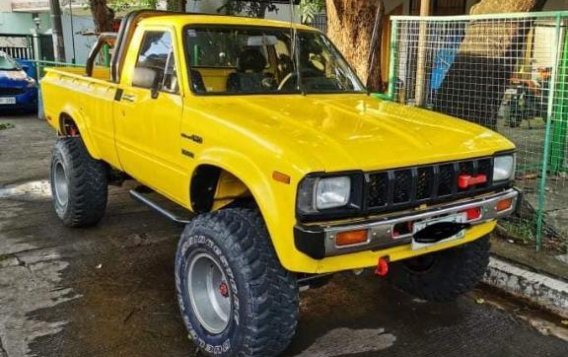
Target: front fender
{"x": 276, "y": 201}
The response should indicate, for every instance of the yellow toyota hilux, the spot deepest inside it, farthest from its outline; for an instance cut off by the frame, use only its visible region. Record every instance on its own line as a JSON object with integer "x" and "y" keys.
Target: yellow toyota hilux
{"x": 289, "y": 168}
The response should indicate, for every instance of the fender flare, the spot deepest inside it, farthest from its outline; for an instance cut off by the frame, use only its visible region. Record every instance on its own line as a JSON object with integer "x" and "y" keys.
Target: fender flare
{"x": 258, "y": 183}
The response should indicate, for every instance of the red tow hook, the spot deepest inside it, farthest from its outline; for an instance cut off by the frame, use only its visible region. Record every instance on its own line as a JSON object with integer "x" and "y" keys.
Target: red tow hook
{"x": 382, "y": 266}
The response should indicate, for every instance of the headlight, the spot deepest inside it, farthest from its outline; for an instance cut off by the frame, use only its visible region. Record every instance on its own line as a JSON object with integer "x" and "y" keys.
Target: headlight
{"x": 503, "y": 168}
{"x": 332, "y": 192}
{"x": 323, "y": 193}
{"x": 31, "y": 82}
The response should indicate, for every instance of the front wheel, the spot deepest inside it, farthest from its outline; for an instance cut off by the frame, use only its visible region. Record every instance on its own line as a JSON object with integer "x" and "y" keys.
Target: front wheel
{"x": 444, "y": 275}
{"x": 235, "y": 297}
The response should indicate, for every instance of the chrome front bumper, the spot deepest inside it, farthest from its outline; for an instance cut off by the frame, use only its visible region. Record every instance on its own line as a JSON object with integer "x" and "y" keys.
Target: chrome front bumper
{"x": 319, "y": 241}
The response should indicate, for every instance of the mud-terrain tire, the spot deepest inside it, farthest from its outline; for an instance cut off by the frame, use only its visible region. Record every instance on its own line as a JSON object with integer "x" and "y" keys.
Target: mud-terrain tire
{"x": 444, "y": 275}
{"x": 79, "y": 184}
{"x": 259, "y": 296}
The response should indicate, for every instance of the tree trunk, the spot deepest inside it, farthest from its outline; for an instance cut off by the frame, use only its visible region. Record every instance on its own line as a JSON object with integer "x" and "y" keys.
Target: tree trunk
{"x": 176, "y": 5}
{"x": 103, "y": 15}
{"x": 57, "y": 31}
{"x": 351, "y": 26}
{"x": 476, "y": 82}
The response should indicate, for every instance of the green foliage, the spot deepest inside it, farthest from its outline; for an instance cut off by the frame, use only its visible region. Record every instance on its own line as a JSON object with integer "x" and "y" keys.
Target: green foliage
{"x": 310, "y": 8}
{"x": 176, "y": 5}
{"x": 521, "y": 230}
{"x": 256, "y": 8}
{"x": 127, "y": 5}
{"x": 4, "y": 126}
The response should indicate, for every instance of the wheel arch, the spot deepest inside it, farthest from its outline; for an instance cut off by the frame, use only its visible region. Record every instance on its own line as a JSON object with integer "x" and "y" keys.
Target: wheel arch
{"x": 214, "y": 186}
{"x": 235, "y": 175}
{"x": 68, "y": 118}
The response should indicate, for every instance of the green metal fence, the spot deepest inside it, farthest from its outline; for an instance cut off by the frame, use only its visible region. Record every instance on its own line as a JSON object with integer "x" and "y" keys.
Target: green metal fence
{"x": 103, "y": 60}
{"x": 508, "y": 72}
{"x": 42, "y": 65}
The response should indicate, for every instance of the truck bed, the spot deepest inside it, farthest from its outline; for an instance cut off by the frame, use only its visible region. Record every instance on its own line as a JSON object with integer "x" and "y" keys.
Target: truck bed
{"x": 101, "y": 73}
{"x": 67, "y": 91}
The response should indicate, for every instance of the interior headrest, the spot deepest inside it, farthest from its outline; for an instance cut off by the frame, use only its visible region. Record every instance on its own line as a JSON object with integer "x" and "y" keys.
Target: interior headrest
{"x": 251, "y": 59}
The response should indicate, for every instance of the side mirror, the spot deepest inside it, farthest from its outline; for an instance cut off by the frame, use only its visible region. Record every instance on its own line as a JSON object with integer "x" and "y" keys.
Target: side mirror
{"x": 146, "y": 78}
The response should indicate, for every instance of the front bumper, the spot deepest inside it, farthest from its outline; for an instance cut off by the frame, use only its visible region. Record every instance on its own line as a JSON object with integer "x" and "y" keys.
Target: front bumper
{"x": 27, "y": 100}
{"x": 318, "y": 240}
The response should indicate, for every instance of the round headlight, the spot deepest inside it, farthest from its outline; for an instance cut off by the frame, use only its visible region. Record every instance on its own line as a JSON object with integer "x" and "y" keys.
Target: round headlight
{"x": 503, "y": 168}
{"x": 31, "y": 82}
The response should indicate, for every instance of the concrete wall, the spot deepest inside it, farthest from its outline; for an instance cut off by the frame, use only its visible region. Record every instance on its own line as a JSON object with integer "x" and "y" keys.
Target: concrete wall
{"x": 83, "y": 44}
{"x": 22, "y": 23}
{"x": 5, "y": 6}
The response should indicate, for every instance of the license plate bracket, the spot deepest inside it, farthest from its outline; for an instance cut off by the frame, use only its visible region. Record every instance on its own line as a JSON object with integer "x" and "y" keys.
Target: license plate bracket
{"x": 7, "y": 100}
{"x": 442, "y": 229}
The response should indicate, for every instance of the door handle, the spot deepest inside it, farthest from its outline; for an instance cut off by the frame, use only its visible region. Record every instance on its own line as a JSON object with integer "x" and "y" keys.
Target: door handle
{"x": 128, "y": 98}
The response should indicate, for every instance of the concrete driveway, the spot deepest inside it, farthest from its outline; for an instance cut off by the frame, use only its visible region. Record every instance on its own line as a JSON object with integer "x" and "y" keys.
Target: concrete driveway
{"x": 109, "y": 290}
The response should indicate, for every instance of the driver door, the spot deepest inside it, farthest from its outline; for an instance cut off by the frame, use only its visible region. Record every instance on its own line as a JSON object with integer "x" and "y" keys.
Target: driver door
{"x": 149, "y": 113}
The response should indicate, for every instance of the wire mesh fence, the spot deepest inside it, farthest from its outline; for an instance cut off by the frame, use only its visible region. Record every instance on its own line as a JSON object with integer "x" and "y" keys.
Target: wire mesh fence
{"x": 508, "y": 73}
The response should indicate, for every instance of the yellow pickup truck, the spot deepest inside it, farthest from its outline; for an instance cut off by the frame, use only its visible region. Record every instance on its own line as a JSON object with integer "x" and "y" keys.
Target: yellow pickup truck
{"x": 289, "y": 169}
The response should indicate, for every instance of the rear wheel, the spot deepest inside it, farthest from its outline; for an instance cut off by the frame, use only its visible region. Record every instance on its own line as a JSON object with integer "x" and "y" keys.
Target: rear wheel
{"x": 78, "y": 184}
{"x": 444, "y": 275}
{"x": 235, "y": 297}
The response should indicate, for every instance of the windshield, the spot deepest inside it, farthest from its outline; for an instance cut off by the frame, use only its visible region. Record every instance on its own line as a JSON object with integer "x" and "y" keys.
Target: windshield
{"x": 256, "y": 60}
{"x": 7, "y": 63}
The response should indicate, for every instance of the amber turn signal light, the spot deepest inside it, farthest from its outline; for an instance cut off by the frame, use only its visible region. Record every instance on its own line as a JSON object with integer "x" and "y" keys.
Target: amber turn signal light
{"x": 504, "y": 204}
{"x": 281, "y": 177}
{"x": 351, "y": 237}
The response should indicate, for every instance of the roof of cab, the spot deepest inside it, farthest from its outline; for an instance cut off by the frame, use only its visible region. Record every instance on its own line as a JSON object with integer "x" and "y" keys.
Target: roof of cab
{"x": 182, "y": 20}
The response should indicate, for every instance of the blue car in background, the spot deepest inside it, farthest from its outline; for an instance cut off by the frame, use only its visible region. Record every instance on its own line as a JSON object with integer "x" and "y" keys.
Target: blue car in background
{"x": 18, "y": 91}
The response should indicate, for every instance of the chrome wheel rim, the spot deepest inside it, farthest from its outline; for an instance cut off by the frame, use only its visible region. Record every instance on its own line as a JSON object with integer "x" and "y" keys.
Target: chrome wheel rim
{"x": 209, "y": 293}
{"x": 60, "y": 184}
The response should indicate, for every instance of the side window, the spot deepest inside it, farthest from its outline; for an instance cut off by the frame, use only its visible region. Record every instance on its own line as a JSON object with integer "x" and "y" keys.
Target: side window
{"x": 156, "y": 54}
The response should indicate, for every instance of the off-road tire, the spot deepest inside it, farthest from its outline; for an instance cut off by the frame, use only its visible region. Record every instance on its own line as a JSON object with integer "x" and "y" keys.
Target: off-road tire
{"x": 86, "y": 180}
{"x": 264, "y": 296}
{"x": 444, "y": 275}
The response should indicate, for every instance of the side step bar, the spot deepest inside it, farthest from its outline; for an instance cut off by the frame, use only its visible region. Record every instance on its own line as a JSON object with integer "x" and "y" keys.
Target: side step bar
{"x": 138, "y": 196}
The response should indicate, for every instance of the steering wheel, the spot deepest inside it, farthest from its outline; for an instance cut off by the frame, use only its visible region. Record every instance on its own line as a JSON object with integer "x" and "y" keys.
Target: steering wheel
{"x": 294, "y": 74}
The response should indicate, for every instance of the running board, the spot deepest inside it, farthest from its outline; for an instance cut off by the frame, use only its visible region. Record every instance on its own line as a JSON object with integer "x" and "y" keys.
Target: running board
{"x": 164, "y": 212}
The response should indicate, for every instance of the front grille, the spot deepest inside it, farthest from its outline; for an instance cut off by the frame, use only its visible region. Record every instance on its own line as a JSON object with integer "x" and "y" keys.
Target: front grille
{"x": 424, "y": 184}
{"x": 10, "y": 91}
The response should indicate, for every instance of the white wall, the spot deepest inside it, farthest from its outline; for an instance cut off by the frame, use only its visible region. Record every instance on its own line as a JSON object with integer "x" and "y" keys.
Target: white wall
{"x": 5, "y": 6}
{"x": 83, "y": 43}
{"x": 21, "y": 23}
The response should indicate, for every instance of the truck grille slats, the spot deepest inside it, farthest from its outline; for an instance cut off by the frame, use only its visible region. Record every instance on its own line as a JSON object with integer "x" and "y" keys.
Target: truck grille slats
{"x": 424, "y": 184}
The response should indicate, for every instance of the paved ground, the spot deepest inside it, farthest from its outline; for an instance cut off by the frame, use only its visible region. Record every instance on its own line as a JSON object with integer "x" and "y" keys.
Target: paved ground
{"x": 109, "y": 291}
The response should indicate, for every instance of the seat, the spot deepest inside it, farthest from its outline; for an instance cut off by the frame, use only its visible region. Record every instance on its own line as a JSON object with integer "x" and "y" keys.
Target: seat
{"x": 197, "y": 83}
{"x": 250, "y": 73}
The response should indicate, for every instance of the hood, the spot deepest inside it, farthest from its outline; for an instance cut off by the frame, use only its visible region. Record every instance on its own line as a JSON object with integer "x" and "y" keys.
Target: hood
{"x": 15, "y": 78}
{"x": 354, "y": 131}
